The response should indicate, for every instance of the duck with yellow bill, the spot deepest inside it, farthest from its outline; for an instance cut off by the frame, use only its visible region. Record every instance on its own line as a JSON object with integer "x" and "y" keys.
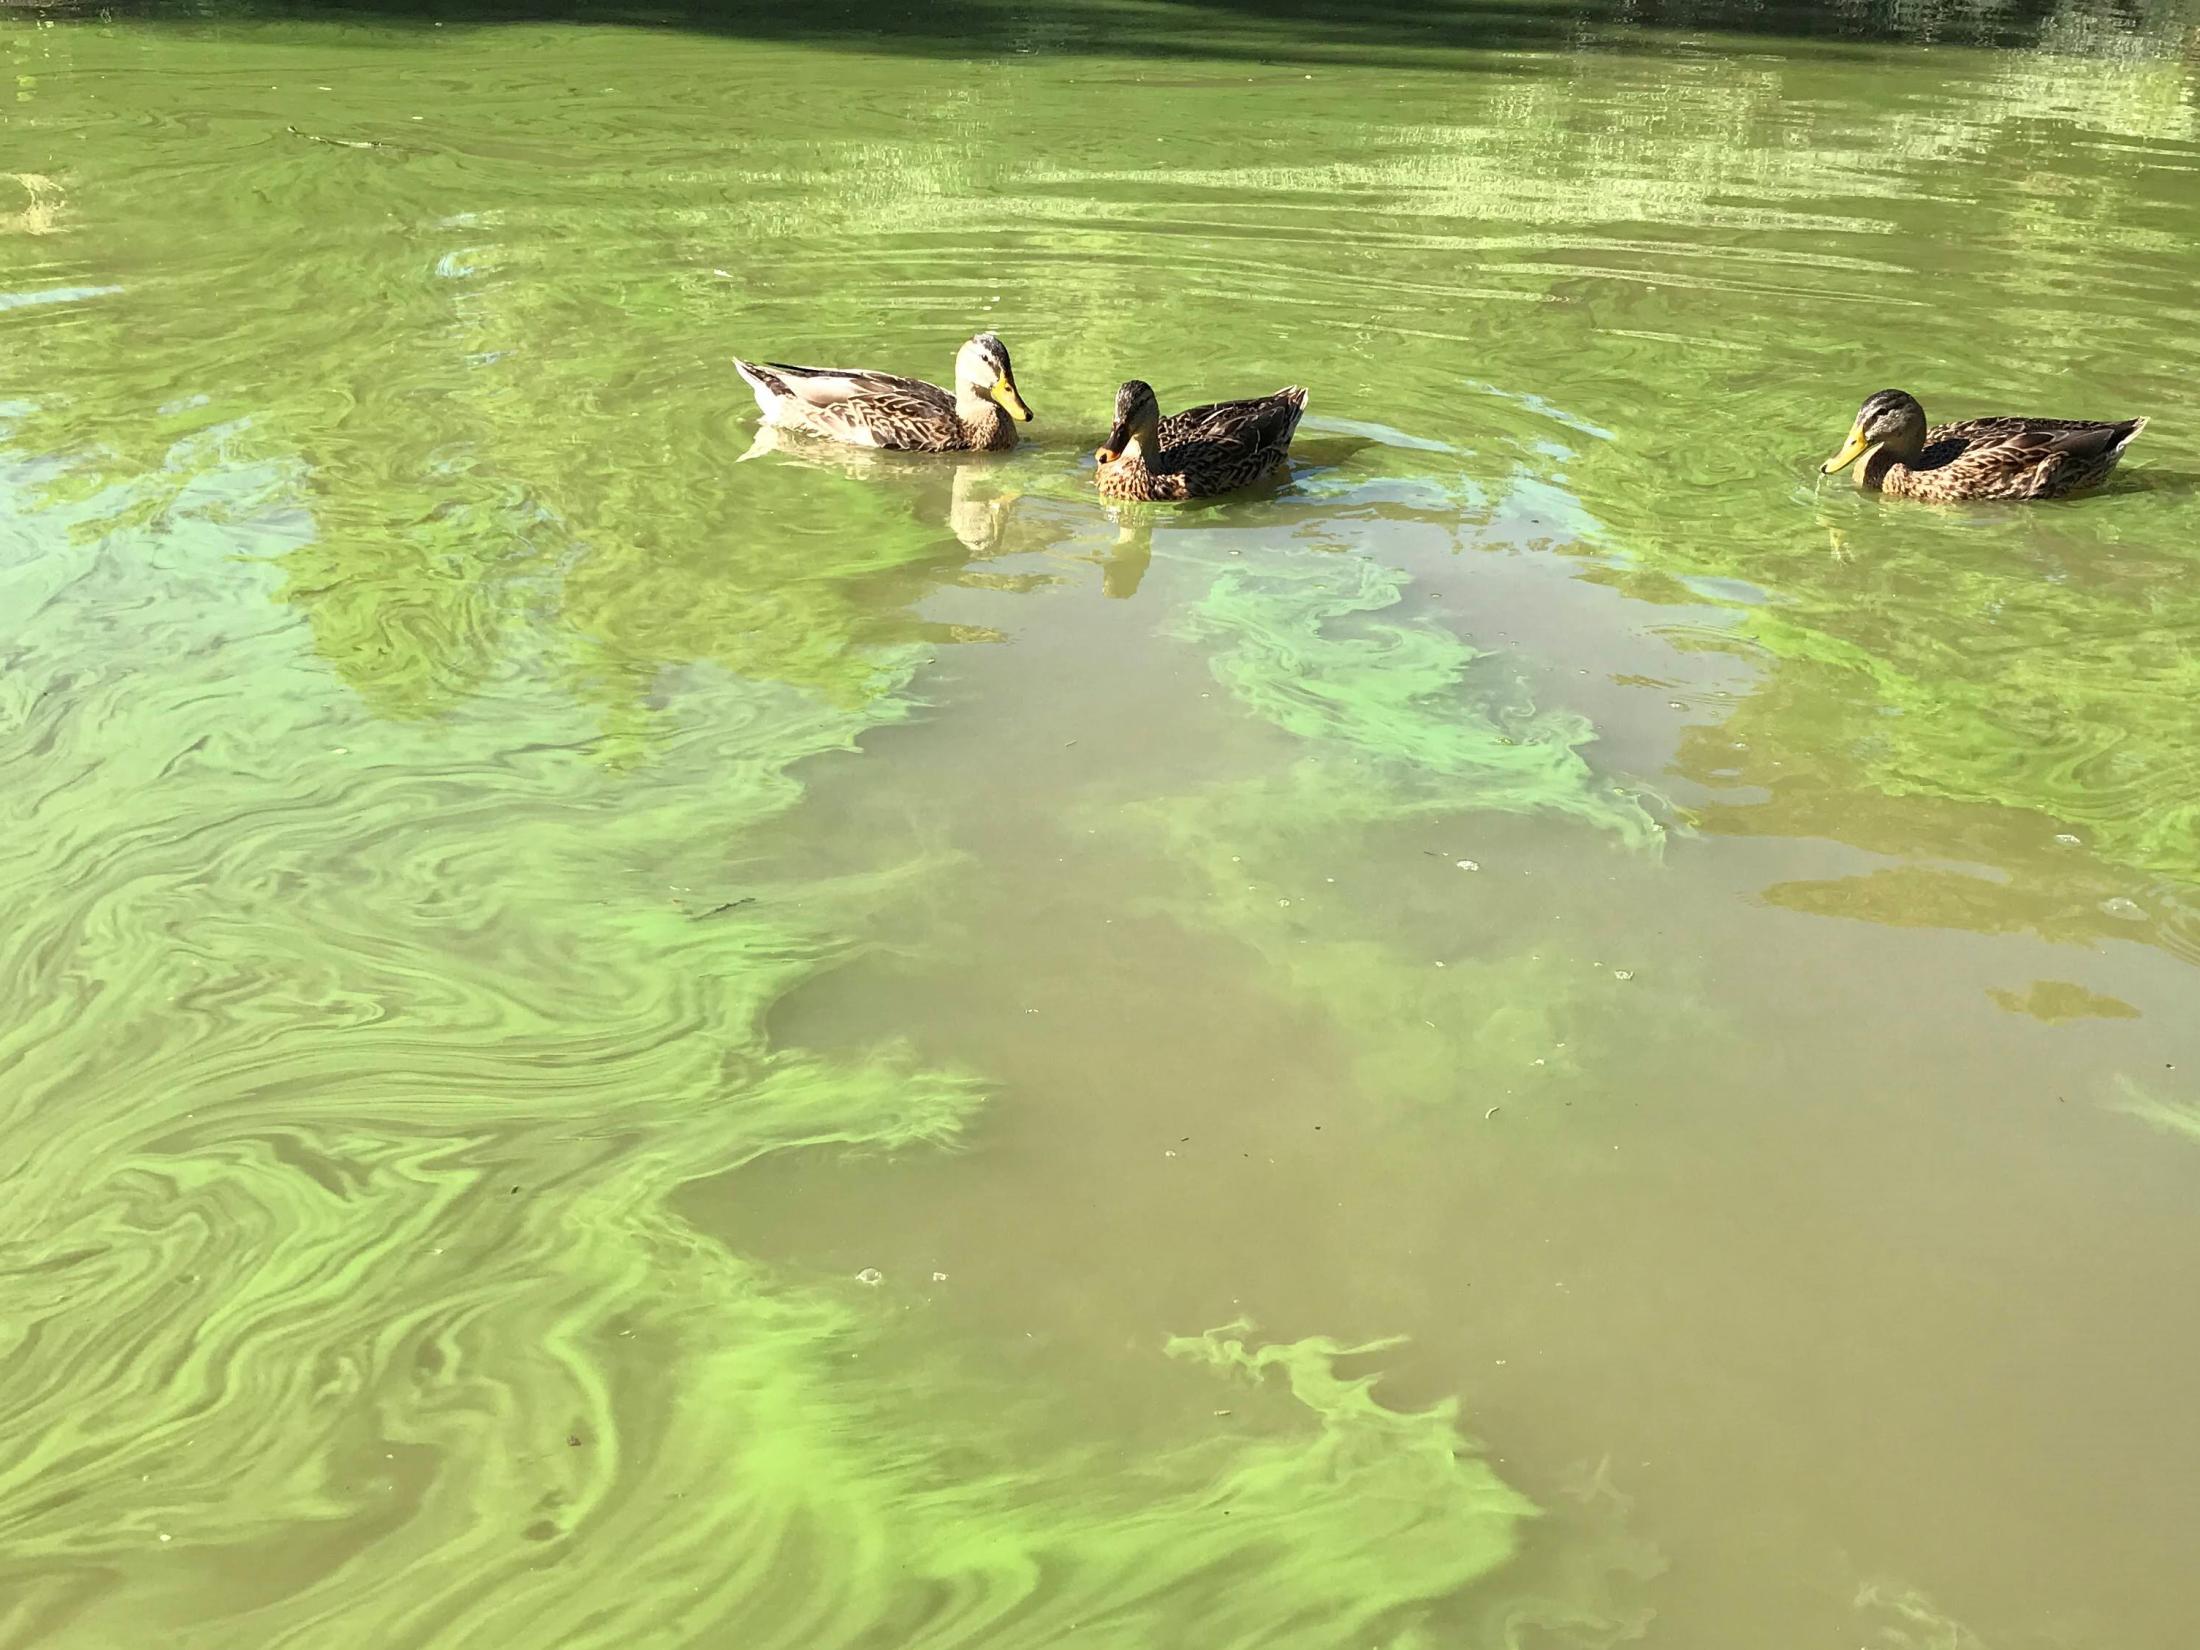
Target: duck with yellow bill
{"x": 1981, "y": 458}
{"x": 879, "y": 409}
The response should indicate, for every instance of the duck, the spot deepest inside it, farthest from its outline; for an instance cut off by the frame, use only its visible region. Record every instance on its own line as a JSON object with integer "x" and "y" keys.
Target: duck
{"x": 1196, "y": 453}
{"x": 879, "y": 409}
{"x": 1981, "y": 458}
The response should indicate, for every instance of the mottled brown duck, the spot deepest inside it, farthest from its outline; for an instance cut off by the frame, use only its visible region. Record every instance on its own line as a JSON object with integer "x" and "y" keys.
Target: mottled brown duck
{"x": 1981, "y": 458}
{"x": 878, "y": 409}
{"x": 1196, "y": 453}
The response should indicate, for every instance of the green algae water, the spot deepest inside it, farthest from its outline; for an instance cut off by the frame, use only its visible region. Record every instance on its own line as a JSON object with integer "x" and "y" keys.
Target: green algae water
{"x": 1553, "y": 1033}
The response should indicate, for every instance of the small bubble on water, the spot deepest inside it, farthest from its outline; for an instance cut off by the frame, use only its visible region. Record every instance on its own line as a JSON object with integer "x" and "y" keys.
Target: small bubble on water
{"x": 2129, "y": 910}
{"x": 871, "y": 1276}
{"x": 2069, "y": 841}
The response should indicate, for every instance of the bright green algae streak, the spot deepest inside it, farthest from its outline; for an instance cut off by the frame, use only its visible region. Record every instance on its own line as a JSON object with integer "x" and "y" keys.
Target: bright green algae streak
{"x": 2173, "y": 1117}
{"x": 411, "y": 1185}
{"x": 388, "y": 974}
{"x": 1391, "y": 734}
{"x": 417, "y": 717}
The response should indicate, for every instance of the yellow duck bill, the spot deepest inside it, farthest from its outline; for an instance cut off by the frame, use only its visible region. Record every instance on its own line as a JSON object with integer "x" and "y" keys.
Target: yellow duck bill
{"x": 1851, "y": 449}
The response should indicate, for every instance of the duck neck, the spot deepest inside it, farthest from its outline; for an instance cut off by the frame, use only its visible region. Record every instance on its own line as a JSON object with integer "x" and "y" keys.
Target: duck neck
{"x": 1129, "y": 477}
{"x": 1874, "y": 467}
{"x": 982, "y": 416}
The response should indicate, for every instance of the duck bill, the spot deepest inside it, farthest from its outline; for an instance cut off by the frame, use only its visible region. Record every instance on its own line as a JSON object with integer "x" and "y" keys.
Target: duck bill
{"x": 1851, "y": 450}
{"x": 1118, "y": 445}
{"x": 1004, "y": 392}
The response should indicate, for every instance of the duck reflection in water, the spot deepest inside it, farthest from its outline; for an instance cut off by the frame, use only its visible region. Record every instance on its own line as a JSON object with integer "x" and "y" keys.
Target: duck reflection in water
{"x": 1124, "y": 567}
{"x": 977, "y": 501}
{"x": 967, "y": 497}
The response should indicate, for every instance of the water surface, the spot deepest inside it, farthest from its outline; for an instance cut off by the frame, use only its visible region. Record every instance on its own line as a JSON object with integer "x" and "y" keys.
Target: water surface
{"x": 1553, "y": 1033}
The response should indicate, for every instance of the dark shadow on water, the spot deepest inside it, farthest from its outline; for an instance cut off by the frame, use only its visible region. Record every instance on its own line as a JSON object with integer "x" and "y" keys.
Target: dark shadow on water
{"x": 2145, "y": 478}
{"x": 1402, "y": 32}
{"x": 1325, "y": 451}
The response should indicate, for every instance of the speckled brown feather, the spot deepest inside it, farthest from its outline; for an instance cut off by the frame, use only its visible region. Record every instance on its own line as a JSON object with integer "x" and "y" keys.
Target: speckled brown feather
{"x": 1208, "y": 450}
{"x": 2007, "y": 458}
{"x": 873, "y": 409}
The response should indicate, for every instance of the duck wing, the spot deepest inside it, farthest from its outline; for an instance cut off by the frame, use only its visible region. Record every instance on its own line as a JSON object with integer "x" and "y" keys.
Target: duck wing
{"x": 1225, "y": 445}
{"x": 871, "y": 409}
{"x": 1262, "y": 423}
{"x": 2024, "y": 457}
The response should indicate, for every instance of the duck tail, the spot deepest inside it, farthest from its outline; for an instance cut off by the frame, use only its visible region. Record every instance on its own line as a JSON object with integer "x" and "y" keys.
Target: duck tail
{"x": 2126, "y": 433}
{"x": 769, "y": 387}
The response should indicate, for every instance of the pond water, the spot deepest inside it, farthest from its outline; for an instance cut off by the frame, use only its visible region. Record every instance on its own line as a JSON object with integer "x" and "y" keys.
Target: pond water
{"x": 1553, "y": 1033}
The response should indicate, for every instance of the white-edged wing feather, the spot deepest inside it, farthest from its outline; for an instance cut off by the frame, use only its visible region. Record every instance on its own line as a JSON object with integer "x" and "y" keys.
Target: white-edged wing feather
{"x": 871, "y": 409}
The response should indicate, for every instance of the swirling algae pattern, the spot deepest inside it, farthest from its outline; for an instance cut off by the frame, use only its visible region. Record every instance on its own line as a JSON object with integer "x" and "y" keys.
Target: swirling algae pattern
{"x": 1302, "y": 646}
{"x": 383, "y": 960}
{"x": 2067, "y": 720}
{"x": 1391, "y": 722}
{"x": 353, "y": 1062}
{"x": 261, "y": 1159}
{"x": 391, "y": 866}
